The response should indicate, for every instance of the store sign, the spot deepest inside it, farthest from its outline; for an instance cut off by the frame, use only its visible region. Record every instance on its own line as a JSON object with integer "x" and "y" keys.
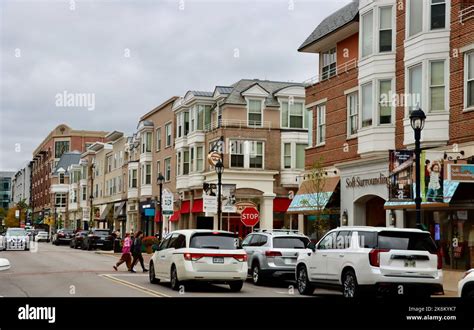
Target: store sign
{"x": 401, "y": 174}
{"x": 209, "y": 204}
{"x": 358, "y": 182}
{"x": 168, "y": 201}
{"x": 461, "y": 172}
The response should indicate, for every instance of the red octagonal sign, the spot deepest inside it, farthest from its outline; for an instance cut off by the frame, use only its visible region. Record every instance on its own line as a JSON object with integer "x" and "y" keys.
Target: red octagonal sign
{"x": 250, "y": 216}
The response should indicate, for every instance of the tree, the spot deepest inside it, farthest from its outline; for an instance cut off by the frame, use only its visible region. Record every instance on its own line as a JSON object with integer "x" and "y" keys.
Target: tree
{"x": 23, "y": 207}
{"x": 11, "y": 220}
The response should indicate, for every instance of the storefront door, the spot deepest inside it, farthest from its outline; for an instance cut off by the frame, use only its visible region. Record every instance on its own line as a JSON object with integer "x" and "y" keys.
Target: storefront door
{"x": 375, "y": 212}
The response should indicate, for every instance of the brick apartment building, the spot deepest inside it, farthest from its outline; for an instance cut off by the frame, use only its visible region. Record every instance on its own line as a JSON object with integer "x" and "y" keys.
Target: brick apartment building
{"x": 45, "y": 159}
{"x": 420, "y": 52}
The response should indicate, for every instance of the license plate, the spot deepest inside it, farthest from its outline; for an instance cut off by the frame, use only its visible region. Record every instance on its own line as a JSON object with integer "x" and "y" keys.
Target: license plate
{"x": 410, "y": 263}
{"x": 218, "y": 260}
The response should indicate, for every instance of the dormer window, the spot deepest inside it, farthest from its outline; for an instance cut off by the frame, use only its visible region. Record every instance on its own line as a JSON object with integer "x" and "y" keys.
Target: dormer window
{"x": 61, "y": 178}
{"x": 255, "y": 112}
{"x": 328, "y": 69}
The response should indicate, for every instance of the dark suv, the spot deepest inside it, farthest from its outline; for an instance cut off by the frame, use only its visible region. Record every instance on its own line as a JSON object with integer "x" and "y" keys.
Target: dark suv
{"x": 98, "y": 238}
{"x": 77, "y": 240}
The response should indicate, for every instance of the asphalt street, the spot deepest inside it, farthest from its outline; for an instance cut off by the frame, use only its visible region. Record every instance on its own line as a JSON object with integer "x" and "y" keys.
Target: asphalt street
{"x": 59, "y": 271}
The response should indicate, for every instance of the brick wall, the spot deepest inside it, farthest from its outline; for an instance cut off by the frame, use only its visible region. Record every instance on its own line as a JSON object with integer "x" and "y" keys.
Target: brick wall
{"x": 461, "y": 126}
{"x": 399, "y": 70}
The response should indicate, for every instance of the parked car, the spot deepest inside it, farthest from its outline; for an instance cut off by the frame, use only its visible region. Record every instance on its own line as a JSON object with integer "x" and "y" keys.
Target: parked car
{"x": 199, "y": 255}
{"x": 273, "y": 253}
{"x": 78, "y": 239}
{"x": 382, "y": 260}
{"x": 98, "y": 238}
{"x": 62, "y": 236}
{"x": 15, "y": 239}
{"x": 466, "y": 285}
{"x": 42, "y": 236}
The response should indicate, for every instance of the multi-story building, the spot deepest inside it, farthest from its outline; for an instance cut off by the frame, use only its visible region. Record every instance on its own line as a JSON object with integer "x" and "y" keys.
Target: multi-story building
{"x": 22, "y": 185}
{"x": 265, "y": 131}
{"x": 46, "y": 157}
{"x": 379, "y": 60}
{"x": 6, "y": 178}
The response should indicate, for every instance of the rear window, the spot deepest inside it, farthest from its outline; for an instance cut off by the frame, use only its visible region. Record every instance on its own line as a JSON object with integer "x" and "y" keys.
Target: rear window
{"x": 290, "y": 242}
{"x": 101, "y": 233}
{"x": 406, "y": 241}
{"x": 218, "y": 241}
{"x": 367, "y": 239}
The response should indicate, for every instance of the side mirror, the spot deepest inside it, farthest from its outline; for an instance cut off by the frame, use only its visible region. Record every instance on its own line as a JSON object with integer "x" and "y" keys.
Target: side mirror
{"x": 312, "y": 246}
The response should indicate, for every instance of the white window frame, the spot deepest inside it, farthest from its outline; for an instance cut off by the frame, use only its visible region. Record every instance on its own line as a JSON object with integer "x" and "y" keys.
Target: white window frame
{"x": 430, "y": 4}
{"x": 287, "y": 101}
{"x": 379, "y": 29}
{"x": 407, "y": 20}
{"x": 199, "y": 158}
{"x": 246, "y": 151}
{"x": 262, "y": 101}
{"x": 408, "y": 107}
{"x": 349, "y": 94}
{"x": 445, "y": 77}
{"x": 466, "y": 79}
{"x": 362, "y": 28}
{"x": 320, "y": 124}
{"x": 168, "y": 133}
{"x": 331, "y": 54}
{"x": 378, "y": 113}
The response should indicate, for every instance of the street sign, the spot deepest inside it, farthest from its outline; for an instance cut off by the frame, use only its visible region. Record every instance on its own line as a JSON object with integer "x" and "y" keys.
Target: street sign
{"x": 250, "y": 217}
{"x": 209, "y": 204}
{"x": 168, "y": 201}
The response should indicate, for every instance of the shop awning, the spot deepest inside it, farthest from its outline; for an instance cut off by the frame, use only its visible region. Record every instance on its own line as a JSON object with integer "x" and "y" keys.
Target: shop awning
{"x": 449, "y": 188}
{"x": 281, "y": 204}
{"x": 197, "y": 206}
{"x": 118, "y": 210}
{"x": 185, "y": 207}
{"x": 175, "y": 216}
{"x": 308, "y": 201}
{"x": 105, "y": 212}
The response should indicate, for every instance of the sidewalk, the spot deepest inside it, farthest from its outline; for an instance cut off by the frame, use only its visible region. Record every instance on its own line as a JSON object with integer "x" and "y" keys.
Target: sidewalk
{"x": 146, "y": 257}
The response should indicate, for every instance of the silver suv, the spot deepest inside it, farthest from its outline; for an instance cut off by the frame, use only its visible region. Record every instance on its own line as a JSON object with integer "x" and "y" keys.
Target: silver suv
{"x": 273, "y": 253}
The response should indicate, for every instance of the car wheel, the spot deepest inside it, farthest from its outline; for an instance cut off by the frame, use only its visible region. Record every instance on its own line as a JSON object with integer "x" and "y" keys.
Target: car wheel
{"x": 257, "y": 277}
{"x": 151, "y": 274}
{"x": 303, "y": 283}
{"x": 174, "y": 279}
{"x": 468, "y": 293}
{"x": 236, "y": 286}
{"x": 350, "y": 288}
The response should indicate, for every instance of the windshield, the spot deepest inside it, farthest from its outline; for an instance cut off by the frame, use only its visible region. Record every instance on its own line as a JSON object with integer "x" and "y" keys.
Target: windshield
{"x": 406, "y": 241}
{"x": 217, "y": 241}
{"x": 101, "y": 233}
{"x": 17, "y": 232}
{"x": 290, "y": 242}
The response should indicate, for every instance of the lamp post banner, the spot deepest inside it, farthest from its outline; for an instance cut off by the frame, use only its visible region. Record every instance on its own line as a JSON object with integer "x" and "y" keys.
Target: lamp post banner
{"x": 432, "y": 176}
{"x": 228, "y": 198}
{"x": 168, "y": 201}
{"x": 401, "y": 173}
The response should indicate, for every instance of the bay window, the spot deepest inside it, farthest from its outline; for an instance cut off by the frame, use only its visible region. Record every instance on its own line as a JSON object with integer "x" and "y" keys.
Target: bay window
{"x": 207, "y": 117}
{"x": 178, "y": 163}
{"x": 437, "y": 86}
{"x": 199, "y": 158}
{"x": 385, "y": 29}
{"x": 385, "y": 105}
{"x": 255, "y": 112}
{"x": 200, "y": 117}
{"x": 308, "y": 123}
{"x": 469, "y": 84}
{"x": 300, "y": 155}
{"x": 321, "y": 128}
{"x": 352, "y": 113}
{"x": 287, "y": 155}
{"x": 415, "y": 22}
{"x": 256, "y": 154}
{"x": 191, "y": 160}
{"x": 84, "y": 193}
{"x": 438, "y": 14}
{"x": 367, "y": 33}
{"x": 366, "y": 94}
{"x": 146, "y": 146}
{"x": 60, "y": 200}
{"x": 132, "y": 178}
{"x": 293, "y": 155}
{"x": 328, "y": 68}
{"x": 146, "y": 173}
{"x": 186, "y": 162}
{"x": 415, "y": 86}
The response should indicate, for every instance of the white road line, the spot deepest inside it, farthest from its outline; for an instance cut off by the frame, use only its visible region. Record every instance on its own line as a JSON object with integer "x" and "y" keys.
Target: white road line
{"x": 134, "y": 286}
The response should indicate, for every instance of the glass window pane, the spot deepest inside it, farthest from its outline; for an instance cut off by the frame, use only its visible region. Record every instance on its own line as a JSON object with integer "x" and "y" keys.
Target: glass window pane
{"x": 385, "y": 106}
{"x": 437, "y": 98}
{"x": 367, "y": 33}
{"x": 416, "y": 13}
{"x": 385, "y": 41}
{"x": 287, "y": 155}
{"x": 470, "y": 93}
{"x": 300, "y": 155}
{"x": 367, "y": 105}
{"x": 284, "y": 114}
{"x": 385, "y": 18}
{"x": 437, "y": 73}
{"x": 200, "y": 117}
{"x": 438, "y": 15}
{"x": 470, "y": 64}
{"x": 415, "y": 87}
{"x": 255, "y": 106}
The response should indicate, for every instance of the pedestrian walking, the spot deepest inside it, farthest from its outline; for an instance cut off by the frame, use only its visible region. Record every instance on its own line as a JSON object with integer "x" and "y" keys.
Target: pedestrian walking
{"x": 126, "y": 256}
{"x": 137, "y": 252}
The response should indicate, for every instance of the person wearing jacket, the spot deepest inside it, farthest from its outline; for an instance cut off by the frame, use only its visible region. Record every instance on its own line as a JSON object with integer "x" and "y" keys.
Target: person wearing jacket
{"x": 137, "y": 252}
{"x": 126, "y": 257}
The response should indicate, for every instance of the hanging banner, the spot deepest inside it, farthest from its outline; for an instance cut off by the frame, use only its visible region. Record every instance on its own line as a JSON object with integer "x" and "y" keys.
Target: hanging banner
{"x": 432, "y": 176}
{"x": 209, "y": 204}
{"x": 401, "y": 168}
{"x": 168, "y": 201}
{"x": 228, "y": 198}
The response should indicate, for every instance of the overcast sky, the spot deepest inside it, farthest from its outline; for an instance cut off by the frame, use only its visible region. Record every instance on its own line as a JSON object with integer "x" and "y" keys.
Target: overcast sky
{"x": 133, "y": 55}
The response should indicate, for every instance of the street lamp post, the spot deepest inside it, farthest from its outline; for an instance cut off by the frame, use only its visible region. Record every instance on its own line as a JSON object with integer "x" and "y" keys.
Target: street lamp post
{"x": 159, "y": 180}
{"x": 91, "y": 198}
{"x": 219, "y": 170}
{"x": 417, "y": 121}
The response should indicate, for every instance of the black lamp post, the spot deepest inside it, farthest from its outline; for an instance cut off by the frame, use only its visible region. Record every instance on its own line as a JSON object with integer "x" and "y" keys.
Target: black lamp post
{"x": 219, "y": 170}
{"x": 91, "y": 199}
{"x": 417, "y": 120}
{"x": 159, "y": 180}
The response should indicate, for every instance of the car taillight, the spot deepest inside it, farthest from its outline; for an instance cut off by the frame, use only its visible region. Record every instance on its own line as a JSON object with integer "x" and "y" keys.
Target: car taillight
{"x": 192, "y": 256}
{"x": 374, "y": 256}
{"x": 240, "y": 257}
{"x": 272, "y": 253}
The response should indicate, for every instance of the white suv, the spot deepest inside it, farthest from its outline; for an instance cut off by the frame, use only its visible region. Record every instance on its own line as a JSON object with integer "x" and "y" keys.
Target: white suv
{"x": 466, "y": 285}
{"x": 375, "y": 258}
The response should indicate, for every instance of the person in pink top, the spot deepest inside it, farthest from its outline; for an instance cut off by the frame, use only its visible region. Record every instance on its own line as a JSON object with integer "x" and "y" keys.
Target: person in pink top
{"x": 126, "y": 256}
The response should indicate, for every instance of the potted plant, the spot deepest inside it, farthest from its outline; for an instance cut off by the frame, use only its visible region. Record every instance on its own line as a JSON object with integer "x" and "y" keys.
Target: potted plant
{"x": 148, "y": 242}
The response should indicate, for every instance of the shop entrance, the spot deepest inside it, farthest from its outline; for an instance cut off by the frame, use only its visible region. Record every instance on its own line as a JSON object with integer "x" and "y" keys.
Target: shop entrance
{"x": 369, "y": 211}
{"x": 236, "y": 226}
{"x": 205, "y": 223}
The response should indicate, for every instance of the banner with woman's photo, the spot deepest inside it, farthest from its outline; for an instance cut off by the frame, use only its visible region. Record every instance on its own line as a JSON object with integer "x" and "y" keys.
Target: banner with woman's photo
{"x": 432, "y": 176}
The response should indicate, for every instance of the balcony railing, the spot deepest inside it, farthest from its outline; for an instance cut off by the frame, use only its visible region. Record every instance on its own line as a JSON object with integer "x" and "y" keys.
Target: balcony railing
{"x": 344, "y": 67}
{"x": 466, "y": 14}
{"x": 237, "y": 123}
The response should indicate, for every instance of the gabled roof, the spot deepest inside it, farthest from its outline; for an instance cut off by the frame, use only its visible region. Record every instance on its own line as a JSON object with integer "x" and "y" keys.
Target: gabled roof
{"x": 333, "y": 22}
{"x": 67, "y": 159}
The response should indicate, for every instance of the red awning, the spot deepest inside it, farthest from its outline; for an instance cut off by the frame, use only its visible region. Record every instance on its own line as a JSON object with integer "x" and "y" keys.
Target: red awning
{"x": 157, "y": 217}
{"x": 175, "y": 216}
{"x": 197, "y": 206}
{"x": 281, "y": 204}
{"x": 185, "y": 207}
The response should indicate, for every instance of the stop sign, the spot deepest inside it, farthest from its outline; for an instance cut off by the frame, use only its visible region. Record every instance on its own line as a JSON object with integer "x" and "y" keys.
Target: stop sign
{"x": 250, "y": 216}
